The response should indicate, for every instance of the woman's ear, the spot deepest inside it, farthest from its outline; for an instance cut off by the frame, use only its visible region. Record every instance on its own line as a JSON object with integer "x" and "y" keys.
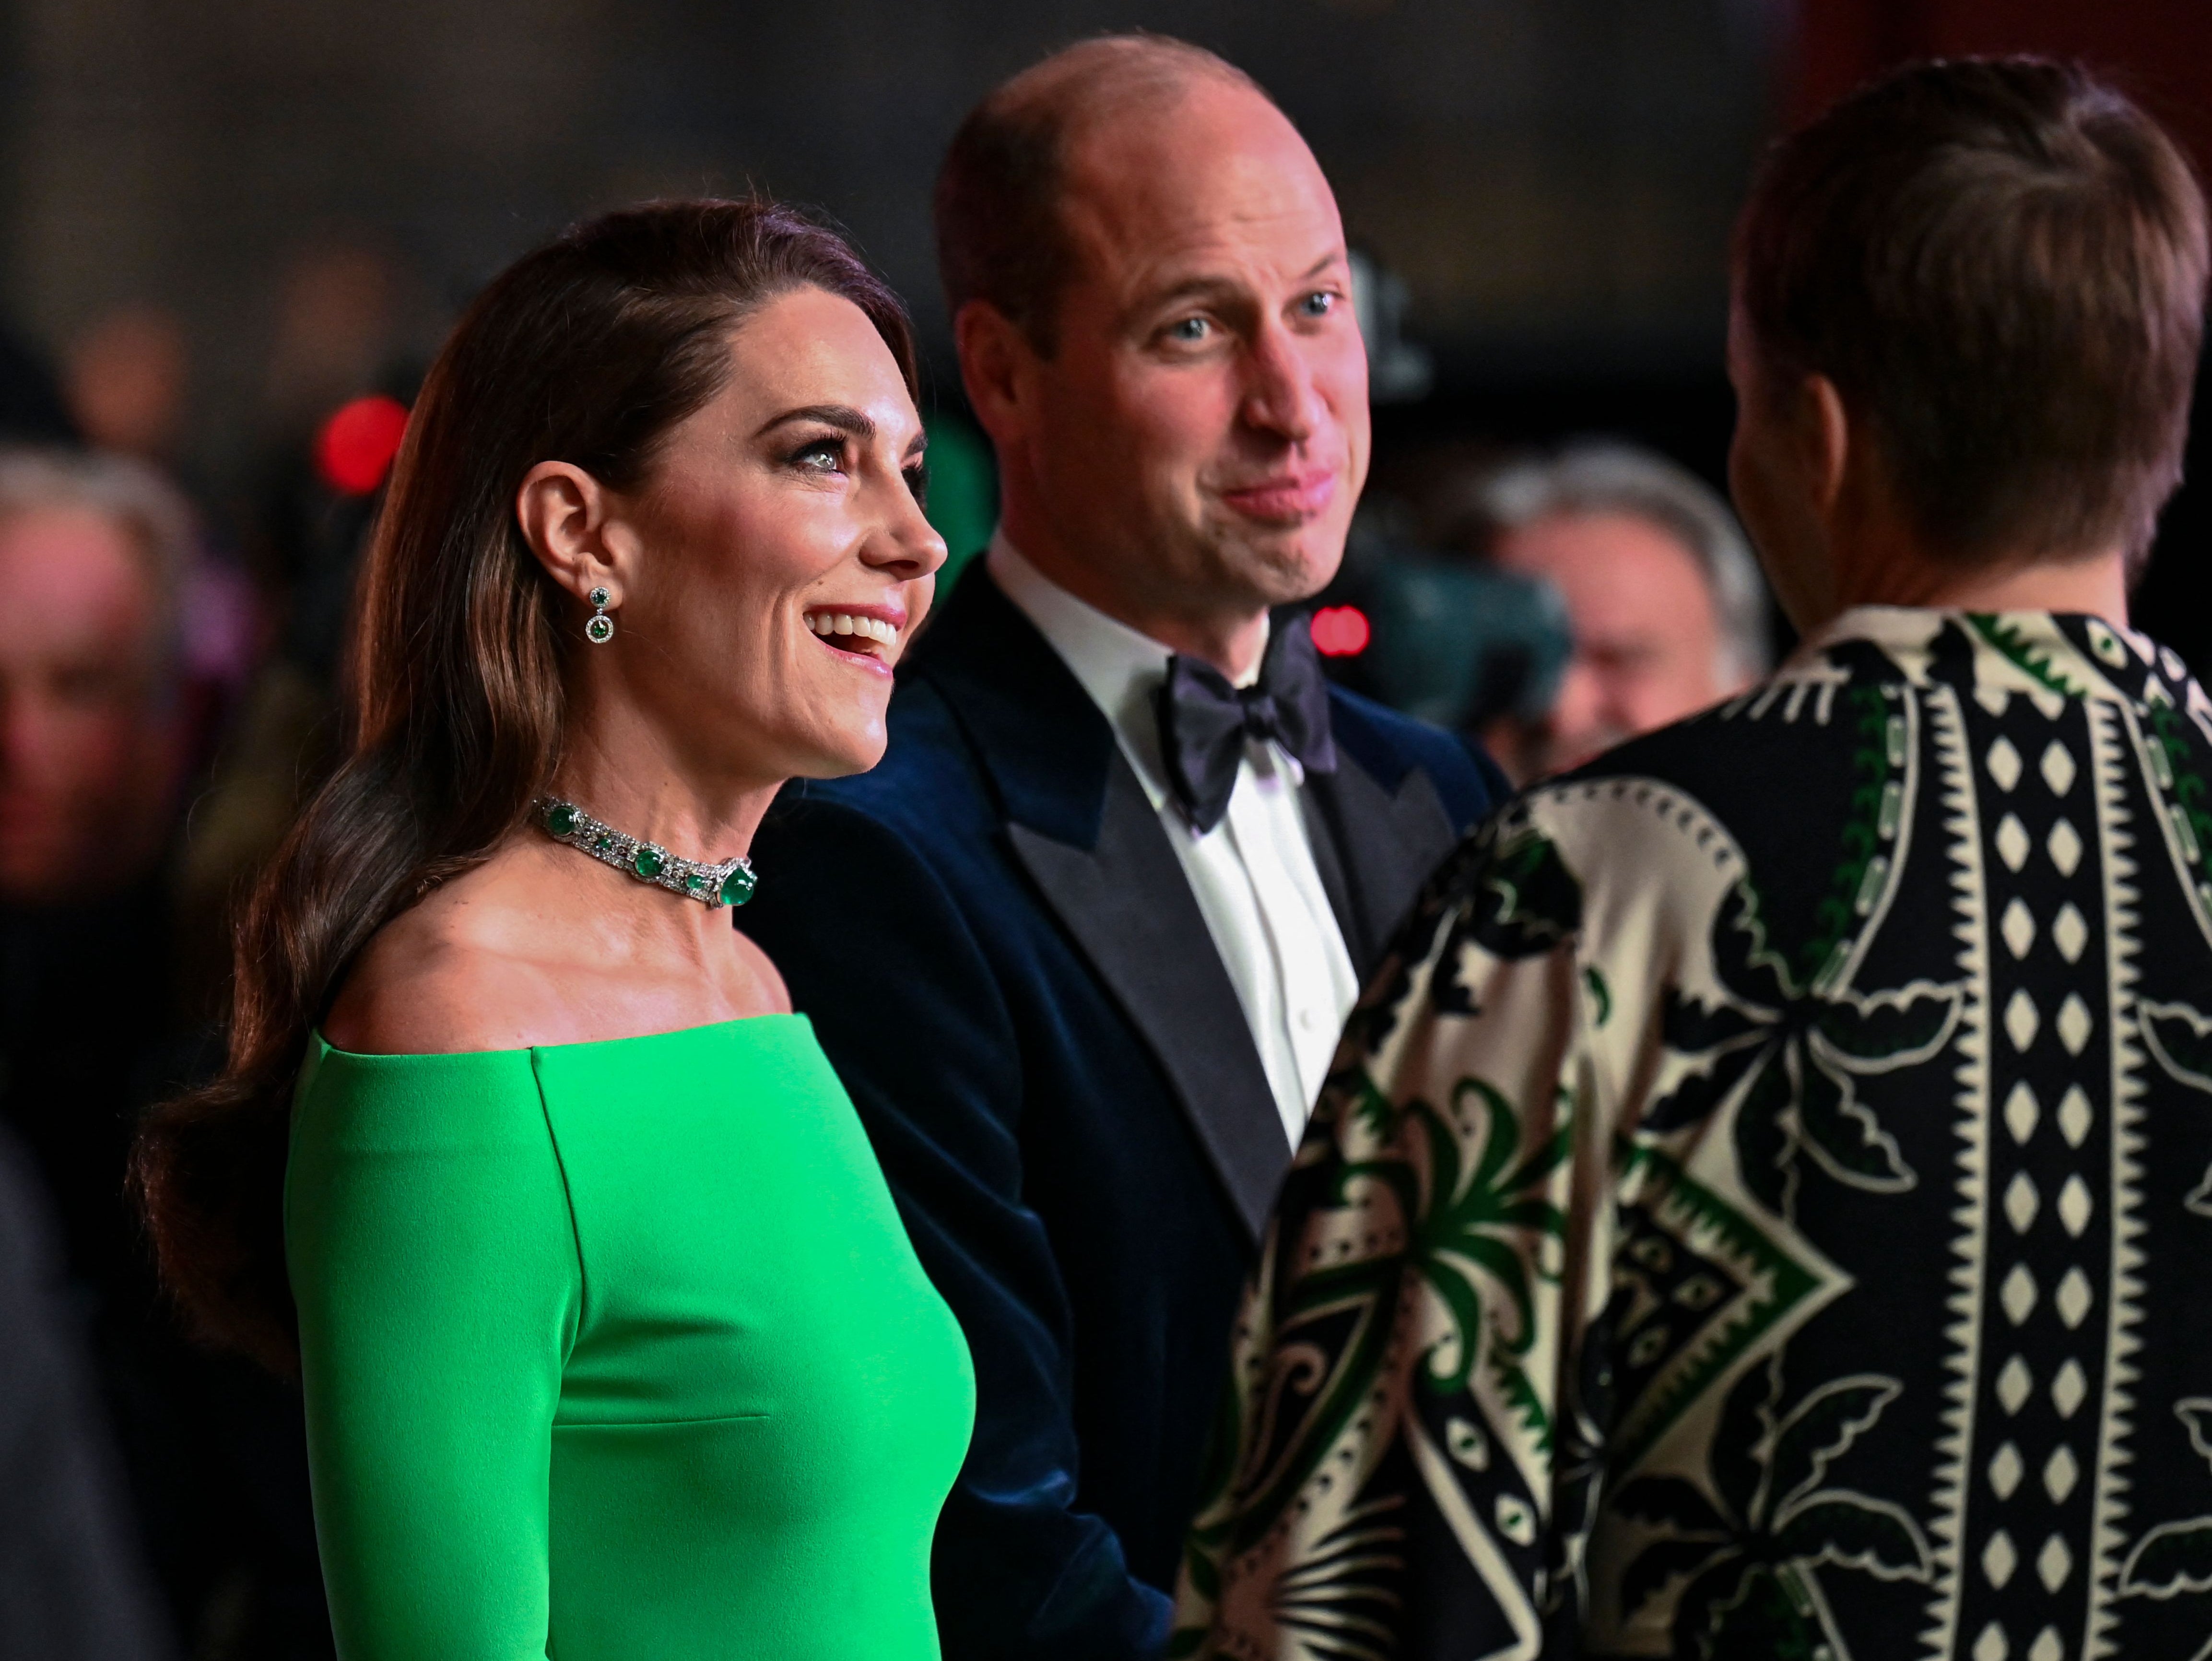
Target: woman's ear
{"x": 563, "y": 512}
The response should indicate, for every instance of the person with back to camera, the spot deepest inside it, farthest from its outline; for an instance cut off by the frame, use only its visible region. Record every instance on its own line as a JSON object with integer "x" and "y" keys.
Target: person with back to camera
{"x": 612, "y": 1343}
{"x": 1767, "y": 1211}
{"x": 1128, "y": 856}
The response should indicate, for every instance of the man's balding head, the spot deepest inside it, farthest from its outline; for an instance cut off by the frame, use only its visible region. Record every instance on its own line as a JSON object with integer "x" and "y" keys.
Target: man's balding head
{"x": 1001, "y": 235}
{"x": 1152, "y": 303}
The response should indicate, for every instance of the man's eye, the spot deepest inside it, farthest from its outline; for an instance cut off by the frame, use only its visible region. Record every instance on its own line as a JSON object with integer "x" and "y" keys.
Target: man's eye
{"x": 1189, "y": 329}
{"x": 1318, "y": 304}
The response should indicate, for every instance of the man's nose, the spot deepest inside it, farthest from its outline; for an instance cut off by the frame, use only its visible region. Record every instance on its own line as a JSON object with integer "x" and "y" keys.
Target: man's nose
{"x": 1282, "y": 395}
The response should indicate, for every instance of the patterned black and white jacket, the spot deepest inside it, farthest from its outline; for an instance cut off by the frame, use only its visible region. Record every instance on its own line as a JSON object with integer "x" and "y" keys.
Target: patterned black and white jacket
{"x": 1765, "y": 1208}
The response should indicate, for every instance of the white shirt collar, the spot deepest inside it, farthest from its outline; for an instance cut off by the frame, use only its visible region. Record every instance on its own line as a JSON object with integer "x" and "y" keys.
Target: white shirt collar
{"x": 1119, "y": 666}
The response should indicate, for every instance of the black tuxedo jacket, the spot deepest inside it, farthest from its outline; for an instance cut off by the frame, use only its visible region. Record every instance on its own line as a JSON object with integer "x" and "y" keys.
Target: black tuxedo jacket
{"x": 1000, "y": 951}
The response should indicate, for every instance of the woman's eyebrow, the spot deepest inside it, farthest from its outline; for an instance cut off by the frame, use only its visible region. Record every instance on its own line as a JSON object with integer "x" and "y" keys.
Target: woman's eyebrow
{"x": 843, "y": 416}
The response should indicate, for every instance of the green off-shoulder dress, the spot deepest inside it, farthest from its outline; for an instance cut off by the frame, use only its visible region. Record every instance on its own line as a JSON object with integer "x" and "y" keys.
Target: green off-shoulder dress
{"x": 616, "y": 1352}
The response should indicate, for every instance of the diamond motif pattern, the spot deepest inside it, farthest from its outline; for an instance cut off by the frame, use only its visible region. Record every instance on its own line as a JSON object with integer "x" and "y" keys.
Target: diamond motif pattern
{"x": 2012, "y": 842}
{"x": 2060, "y": 1473}
{"x": 2058, "y": 769}
{"x": 1999, "y": 1559}
{"x": 2020, "y": 1201}
{"x": 2064, "y": 846}
{"x": 2073, "y": 1297}
{"x": 2076, "y": 1207}
{"x": 1991, "y": 1644}
{"x": 2069, "y": 933}
{"x": 2018, "y": 928}
{"x": 2068, "y": 1389}
{"x": 2004, "y": 764}
{"x": 2021, "y": 1019}
{"x": 2017, "y": 1294}
{"x": 2047, "y": 1646}
{"x": 2021, "y": 1111}
{"x": 2013, "y": 1385}
{"x": 2053, "y": 1563}
{"x": 2006, "y": 1471}
{"x": 2075, "y": 1115}
{"x": 2075, "y": 1024}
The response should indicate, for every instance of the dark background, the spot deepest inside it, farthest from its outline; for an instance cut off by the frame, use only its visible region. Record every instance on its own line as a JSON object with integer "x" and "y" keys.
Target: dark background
{"x": 1552, "y": 179}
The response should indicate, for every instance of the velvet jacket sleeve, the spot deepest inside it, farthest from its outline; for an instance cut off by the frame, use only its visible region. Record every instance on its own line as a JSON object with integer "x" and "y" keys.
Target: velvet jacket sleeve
{"x": 877, "y": 951}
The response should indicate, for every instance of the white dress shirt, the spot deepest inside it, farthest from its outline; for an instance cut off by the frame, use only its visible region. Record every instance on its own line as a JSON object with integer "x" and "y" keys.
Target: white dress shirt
{"x": 1253, "y": 875}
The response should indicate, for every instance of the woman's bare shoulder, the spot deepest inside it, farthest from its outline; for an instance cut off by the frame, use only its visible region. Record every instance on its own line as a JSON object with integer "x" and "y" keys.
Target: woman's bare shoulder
{"x": 448, "y": 974}
{"x": 491, "y": 960}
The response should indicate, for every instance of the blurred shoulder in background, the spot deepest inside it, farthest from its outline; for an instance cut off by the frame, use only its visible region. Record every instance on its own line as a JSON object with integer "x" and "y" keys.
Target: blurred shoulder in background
{"x": 73, "y": 1582}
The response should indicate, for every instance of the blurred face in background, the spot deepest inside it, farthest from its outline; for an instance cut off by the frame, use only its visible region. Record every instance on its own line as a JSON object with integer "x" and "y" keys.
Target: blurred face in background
{"x": 127, "y": 383}
{"x": 1195, "y": 442}
{"x": 1647, "y": 644}
{"x": 91, "y": 738}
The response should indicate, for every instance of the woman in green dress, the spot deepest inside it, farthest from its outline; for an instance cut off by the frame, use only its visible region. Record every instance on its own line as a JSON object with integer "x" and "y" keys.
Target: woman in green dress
{"x": 614, "y": 1346}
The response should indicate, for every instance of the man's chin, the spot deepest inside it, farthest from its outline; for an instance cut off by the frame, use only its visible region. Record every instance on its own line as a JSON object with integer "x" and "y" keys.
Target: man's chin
{"x": 1284, "y": 569}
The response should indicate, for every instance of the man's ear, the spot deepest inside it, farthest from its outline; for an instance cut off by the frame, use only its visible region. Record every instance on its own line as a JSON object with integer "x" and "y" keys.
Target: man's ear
{"x": 565, "y": 511}
{"x": 1823, "y": 437}
{"x": 996, "y": 356}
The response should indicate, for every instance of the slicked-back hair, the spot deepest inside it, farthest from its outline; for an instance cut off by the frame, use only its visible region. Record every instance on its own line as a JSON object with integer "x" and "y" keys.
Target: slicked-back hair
{"x": 1001, "y": 236}
{"x": 2001, "y": 266}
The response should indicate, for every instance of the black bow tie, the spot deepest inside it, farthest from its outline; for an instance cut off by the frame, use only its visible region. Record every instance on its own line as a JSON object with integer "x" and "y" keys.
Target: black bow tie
{"x": 1204, "y": 723}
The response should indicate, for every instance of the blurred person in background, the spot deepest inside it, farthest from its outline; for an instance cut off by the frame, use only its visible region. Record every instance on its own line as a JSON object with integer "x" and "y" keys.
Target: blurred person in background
{"x": 126, "y": 379}
{"x": 73, "y": 1581}
{"x": 98, "y": 736}
{"x": 93, "y": 733}
{"x": 1664, "y": 598}
{"x": 1766, "y": 1209}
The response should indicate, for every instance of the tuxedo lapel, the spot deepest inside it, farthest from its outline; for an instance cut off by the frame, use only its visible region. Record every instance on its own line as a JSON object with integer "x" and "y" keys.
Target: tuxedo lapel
{"x": 1129, "y": 906}
{"x": 1082, "y": 827}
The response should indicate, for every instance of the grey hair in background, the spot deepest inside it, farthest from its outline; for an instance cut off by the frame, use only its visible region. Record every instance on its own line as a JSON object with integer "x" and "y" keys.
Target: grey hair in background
{"x": 1606, "y": 477}
{"x": 160, "y": 521}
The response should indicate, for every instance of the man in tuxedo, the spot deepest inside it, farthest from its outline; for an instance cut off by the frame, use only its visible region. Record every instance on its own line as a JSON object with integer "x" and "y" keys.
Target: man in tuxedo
{"x": 1081, "y": 946}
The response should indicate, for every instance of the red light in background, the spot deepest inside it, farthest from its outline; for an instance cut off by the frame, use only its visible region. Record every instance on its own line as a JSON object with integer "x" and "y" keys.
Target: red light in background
{"x": 1340, "y": 631}
{"x": 355, "y": 448}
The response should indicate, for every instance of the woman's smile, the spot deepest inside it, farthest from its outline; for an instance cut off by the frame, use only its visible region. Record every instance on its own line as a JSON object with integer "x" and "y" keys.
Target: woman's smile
{"x": 863, "y": 635}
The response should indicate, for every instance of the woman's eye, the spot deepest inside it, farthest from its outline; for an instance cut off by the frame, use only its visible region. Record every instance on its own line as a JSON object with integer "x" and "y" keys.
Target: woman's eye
{"x": 917, "y": 480}
{"x": 824, "y": 455}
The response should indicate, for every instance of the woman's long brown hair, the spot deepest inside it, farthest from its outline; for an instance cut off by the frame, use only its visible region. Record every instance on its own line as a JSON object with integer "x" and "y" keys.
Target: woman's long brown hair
{"x": 588, "y": 350}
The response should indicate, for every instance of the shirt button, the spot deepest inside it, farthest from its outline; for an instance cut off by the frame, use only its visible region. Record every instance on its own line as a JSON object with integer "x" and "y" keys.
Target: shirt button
{"x": 1308, "y": 1020}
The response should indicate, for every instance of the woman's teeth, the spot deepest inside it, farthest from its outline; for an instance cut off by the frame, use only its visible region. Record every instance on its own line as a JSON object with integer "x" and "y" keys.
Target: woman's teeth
{"x": 826, "y": 623}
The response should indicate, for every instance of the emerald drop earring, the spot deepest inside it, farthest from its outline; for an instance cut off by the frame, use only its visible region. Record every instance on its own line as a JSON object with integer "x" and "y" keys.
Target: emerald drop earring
{"x": 600, "y": 627}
